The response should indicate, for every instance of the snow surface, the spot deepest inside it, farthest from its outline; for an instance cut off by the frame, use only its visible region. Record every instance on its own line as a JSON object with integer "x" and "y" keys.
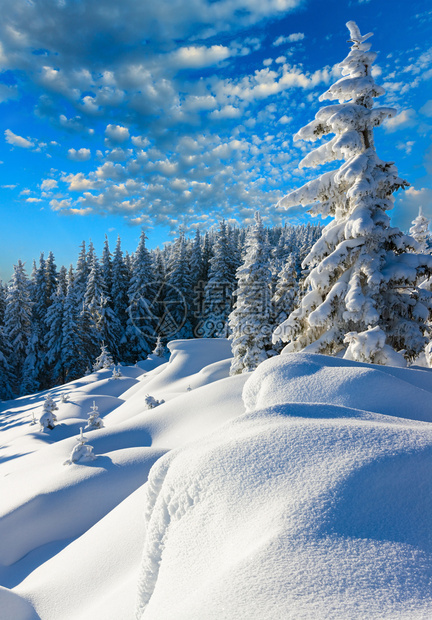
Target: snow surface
{"x": 301, "y": 490}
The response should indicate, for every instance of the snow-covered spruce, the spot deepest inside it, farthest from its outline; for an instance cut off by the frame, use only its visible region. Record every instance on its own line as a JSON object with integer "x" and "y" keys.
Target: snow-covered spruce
{"x": 94, "y": 421}
{"x": 104, "y": 360}
{"x": 364, "y": 272}
{"x": 81, "y": 452}
{"x": 286, "y": 292}
{"x": 159, "y": 349}
{"x": 250, "y": 320}
{"x": 420, "y": 231}
{"x": 48, "y": 417}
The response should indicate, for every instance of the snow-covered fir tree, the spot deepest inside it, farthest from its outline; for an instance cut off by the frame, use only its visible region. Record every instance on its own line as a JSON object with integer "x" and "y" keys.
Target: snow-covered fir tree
{"x": 363, "y": 273}
{"x": 82, "y": 451}
{"x": 18, "y": 323}
{"x": 119, "y": 295}
{"x": 251, "y": 319}
{"x": 285, "y": 294}
{"x": 177, "y": 320}
{"x": 104, "y": 360}
{"x": 107, "y": 268}
{"x": 420, "y": 231}
{"x": 74, "y": 359}
{"x": 94, "y": 421}
{"x": 54, "y": 337}
{"x": 48, "y": 417}
{"x": 159, "y": 349}
{"x": 6, "y": 378}
{"x": 218, "y": 292}
{"x": 140, "y": 329}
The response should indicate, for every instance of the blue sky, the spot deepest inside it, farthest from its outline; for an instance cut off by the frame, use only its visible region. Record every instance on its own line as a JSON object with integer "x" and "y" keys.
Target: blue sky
{"x": 122, "y": 115}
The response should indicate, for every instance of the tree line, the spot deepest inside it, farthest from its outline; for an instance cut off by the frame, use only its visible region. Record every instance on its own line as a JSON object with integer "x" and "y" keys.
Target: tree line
{"x": 53, "y": 322}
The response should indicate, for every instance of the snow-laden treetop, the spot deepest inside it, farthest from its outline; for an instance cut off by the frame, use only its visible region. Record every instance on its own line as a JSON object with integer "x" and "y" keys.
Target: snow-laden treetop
{"x": 363, "y": 273}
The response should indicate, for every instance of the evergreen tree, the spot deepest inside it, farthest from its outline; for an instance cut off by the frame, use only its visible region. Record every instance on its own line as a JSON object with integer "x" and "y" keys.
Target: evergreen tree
{"x": 285, "y": 294}
{"x": 18, "y": 323}
{"x": 207, "y": 255}
{"x": 51, "y": 278}
{"x": 218, "y": 292}
{"x": 362, "y": 274}
{"x": 74, "y": 359}
{"x": 250, "y": 320}
{"x": 119, "y": 292}
{"x": 107, "y": 269}
{"x": 55, "y": 319}
{"x": 420, "y": 231}
{"x": 140, "y": 329}
{"x": 6, "y": 377}
{"x": 104, "y": 359}
{"x": 176, "y": 323}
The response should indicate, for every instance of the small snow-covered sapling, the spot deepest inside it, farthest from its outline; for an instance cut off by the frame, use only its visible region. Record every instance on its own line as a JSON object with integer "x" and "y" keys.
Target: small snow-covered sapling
{"x": 152, "y": 402}
{"x": 48, "y": 418}
{"x": 33, "y": 419}
{"x": 64, "y": 398}
{"x": 116, "y": 373}
{"x": 81, "y": 452}
{"x": 94, "y": 421}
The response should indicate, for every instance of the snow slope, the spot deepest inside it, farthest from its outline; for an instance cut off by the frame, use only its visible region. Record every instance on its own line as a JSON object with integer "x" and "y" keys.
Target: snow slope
{"x": 301, "y": 490}
{"x": 316, "y": 503}
{"x": 62, "y": 525}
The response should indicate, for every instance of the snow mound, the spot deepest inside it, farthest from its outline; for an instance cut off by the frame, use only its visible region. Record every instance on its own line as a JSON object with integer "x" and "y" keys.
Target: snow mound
{"x": 297, "y": 509}
{"x": 308, "y": 378}
{"x": 187, "y": 358}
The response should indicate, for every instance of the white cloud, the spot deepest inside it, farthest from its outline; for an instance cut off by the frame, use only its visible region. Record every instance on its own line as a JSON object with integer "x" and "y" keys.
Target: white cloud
{"x": 78, "y": 182}
{"x": 31, "y": 200}
{"x": 82, "y": 154}
{"x": 140, "y": 141}
{"x": 406, "y": 118}
{"x": 228, "y": 111}
{"x": 291, "y": 38}
{"x": 15, "y": 140}
{"x": 60, "y": 205}
{"x": 48, "y": 184}
{"x": 198, "y": 57}
{"x": 117, "y": 133}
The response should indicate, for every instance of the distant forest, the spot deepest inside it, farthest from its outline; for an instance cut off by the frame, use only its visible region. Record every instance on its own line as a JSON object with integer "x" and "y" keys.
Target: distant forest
{"x": 54, "y": 322}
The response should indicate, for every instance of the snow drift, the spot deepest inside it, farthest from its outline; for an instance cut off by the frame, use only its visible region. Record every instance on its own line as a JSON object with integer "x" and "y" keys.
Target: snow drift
{"x": 301, "y": 490}
{"x": 316, "y": 503}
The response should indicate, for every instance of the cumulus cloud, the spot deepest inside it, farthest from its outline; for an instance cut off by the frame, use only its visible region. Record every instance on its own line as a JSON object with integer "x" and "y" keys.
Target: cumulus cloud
{"x": 79, "y": 182}
{"x": 48, "y": 184}
{"x": 228, "y": 111}
{"x": 198, "y": 57}
{"x": 15, "y": 140}
{"x": 291, "y": 38}
{"x": 82, "y": 154}
{"x": 406, "y": 118}
{"x": 117, "y": 133}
